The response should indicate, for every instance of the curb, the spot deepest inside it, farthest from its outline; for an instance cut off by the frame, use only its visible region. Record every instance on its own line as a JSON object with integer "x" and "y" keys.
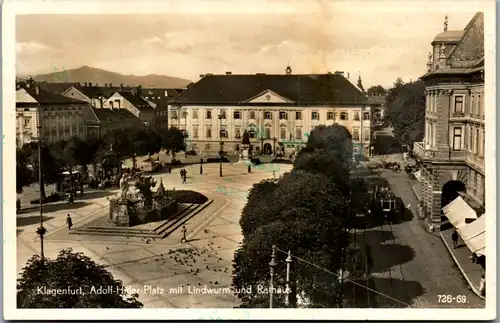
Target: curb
{"x": 461, "y": 269}
{"x": 415, "y": 192}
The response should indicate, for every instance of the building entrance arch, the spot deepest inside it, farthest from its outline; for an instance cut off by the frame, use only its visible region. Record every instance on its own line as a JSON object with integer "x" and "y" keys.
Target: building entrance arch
{"x": 268, "y": 149}
{"x": 449, "y": 192}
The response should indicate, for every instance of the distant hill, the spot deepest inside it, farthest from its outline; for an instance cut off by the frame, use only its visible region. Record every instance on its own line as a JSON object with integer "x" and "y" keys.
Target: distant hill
{"x": 100, "y": 76}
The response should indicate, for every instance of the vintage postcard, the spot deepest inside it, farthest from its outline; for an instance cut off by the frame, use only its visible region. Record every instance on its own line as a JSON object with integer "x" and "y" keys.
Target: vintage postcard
{"x": 249, "y": 160}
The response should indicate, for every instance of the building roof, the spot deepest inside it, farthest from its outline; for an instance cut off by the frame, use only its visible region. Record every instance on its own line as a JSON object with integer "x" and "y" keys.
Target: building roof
{"x": 91, "y": 92}
{"x": 45, "y": 97}
{"x": 55, "y": 87}
{"x": 376, "y": 99}
{"x": 305, "y": 89}
{"x": 449, "y": 36}
{"x": 136, "y": 100}
{"x": 114, "y": 115}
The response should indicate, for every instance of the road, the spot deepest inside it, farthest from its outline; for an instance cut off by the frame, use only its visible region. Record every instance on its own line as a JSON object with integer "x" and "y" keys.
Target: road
{"x": 410, "y": 265}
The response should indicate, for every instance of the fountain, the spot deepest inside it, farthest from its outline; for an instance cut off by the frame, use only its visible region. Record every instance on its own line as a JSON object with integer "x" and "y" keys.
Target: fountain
{"x": 137, "y": 204}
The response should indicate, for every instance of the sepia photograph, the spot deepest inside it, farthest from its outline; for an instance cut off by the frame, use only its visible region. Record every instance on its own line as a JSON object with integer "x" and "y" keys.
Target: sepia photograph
{"x": 249, "y": 160}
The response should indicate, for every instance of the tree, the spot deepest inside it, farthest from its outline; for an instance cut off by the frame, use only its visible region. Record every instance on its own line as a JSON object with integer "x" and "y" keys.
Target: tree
{"x": 24, "y": 176}
{"x": 310, "y": 212}
{"x": 50, "y": 168}
{"x": 172, "y": 141}
{"x": 74, "y": 272}
{"x": 406, "y": 111}
{"x": 376, "y": 90}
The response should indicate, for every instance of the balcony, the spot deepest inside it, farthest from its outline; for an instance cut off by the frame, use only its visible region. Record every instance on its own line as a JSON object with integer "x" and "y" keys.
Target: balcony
{"x": 437, "y": 155}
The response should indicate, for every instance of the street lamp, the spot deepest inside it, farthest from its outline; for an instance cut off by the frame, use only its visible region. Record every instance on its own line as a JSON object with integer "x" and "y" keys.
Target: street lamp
{"x": 261, "y": 145}
{"x": 41, "y": 230}
{"x": 220, "y": 116}
{"x": 274, "y": 146}
{"x": 272, "y": 264}
{"x": 287, "y": 292}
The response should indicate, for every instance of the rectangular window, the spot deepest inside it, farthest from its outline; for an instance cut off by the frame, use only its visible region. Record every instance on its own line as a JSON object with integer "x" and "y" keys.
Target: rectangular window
{"x": 483, "y": 143}
{"x": 457, "y": 138}
{"x": 223, "y": 133}
{"x": 195, "y": 132}
{"x": 268, "y": 133}
{"x": 330, "y": 116}
{"x": 283, "y": 133}
{"x": 209, "y": 133}
{"x": 343, "y": 116}
{"x": 173, "y": 114}
{"x": 237, "y": 132}
{"x": 459, "y": 104}
{"x": 283, "y": 116}
{"x": 222, "y": 114}
{"x": 298, "y": 134}
{"x": 355, "y": 134}
{"x": 236, "y": 115}
{"x": 314, "y": 115}
{"x": 356, "y": 116}
{"x": 252, "y": 114}
{"x": 366, "y": 134}
{"x": 251, "y": 133}
{"x": 477, "y": 141}
{"x": 209, "y": 114}
{"x": 195, "y": 114}
{"x": 298, "y": 115}
{"x": 478, "y": 104}
{"x": 366, "y": 116}
{"x": 267, "y": 115}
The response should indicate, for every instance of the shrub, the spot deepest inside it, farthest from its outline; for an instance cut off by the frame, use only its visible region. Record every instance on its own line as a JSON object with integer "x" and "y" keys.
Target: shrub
{"x": 54, "y": 197}
{"x": 282, "y": 161}
{"x": 255, "y": 161}
{"x": 185, "y": 196}
{"x": 175, "y": 162}
{"x": 191, "y": 153}
{"x": 216, "y": 160}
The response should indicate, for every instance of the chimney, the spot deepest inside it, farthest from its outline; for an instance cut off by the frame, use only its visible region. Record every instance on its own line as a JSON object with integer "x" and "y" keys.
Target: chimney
{"x": 134, "y": 91}
{"x": 105, "y": 84}
{"x": 85, "y": 84}
{"x": 97, "y": 85}
{"x": 202, "y": 76}
{"x": 110, "y": 84}
{"x": 339, "y": 73}
{"x": 228, "y": 73}
{"x": 90, "y": 84}
{"x": 78, "y": 83}
{"x": 139, "y": 90}
{"x": 348, "y": 75}
{"x": 121, "y": 86}
{"x": 37, "y": 90}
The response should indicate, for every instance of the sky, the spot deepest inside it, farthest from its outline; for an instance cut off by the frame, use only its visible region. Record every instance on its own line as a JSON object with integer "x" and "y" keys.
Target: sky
{"x": 381, "y": 44}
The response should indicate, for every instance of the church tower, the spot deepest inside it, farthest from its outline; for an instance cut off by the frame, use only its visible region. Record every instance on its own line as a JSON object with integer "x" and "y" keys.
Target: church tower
{"x": 360, "y": 84}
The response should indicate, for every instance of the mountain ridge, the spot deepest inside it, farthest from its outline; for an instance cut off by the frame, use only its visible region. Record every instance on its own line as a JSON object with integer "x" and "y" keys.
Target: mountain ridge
{"x": 101, "y": 76}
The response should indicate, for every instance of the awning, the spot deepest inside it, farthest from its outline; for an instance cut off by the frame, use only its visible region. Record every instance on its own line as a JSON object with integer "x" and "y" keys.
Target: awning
{"x": 474, "y": 235}
{"x": 418, "y": 175}
{"x": 457, "y": 211}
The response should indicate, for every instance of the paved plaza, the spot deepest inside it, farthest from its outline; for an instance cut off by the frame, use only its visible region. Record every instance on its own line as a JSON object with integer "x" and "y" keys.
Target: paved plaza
{"x": 175, "y": 272}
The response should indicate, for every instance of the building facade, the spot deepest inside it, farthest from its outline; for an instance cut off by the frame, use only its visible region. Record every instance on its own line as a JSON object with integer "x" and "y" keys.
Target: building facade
{"x": 452, "y": 153}
{"x": 60, "y": 117}
{"x": 104, "y": 120}
{"x": 133, "y": 102}
{"x": 278, "y": 111}
{"x": 160, "y": 97}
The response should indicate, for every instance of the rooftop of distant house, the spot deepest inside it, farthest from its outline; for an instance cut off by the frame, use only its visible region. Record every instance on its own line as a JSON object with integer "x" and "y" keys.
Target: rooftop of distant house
{"x": 42, "y": 97}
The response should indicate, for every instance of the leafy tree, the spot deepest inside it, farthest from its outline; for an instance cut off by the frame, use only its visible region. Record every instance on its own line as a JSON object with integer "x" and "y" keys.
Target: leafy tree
{"x": 120, "y": 141}
{"x": 304, "y": 213}
{"x": 376, "y": 90}
{"x": 406, "y": 111}
{"x": 172, "y": 141}
{"x": 24, "y": 176}
{"x": 50, "y": 168}
{"x": 70, "y": 271}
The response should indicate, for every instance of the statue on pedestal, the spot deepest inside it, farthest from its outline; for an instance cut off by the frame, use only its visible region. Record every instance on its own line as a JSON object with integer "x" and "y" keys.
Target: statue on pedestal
{"x": 245, "y": 147}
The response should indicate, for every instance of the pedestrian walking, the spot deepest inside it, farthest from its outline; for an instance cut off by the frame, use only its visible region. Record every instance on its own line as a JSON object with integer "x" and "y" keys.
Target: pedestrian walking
{"x": 71, "y": 199}
{"x": 454, "y": 238}
{"x": 182, "y": 174}
{"x": 184, "y": 230}
{"x": 482, "y": 286}
{"x": 185, "y": 177}
{"x": 69, "y": 221}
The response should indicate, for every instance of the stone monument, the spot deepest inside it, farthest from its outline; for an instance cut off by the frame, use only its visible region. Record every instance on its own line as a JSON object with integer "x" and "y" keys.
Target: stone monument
{"x": 245, "y": 154}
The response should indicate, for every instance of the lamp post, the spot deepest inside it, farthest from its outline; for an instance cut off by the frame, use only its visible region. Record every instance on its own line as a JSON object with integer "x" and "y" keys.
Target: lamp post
{"x": 220, "y": 116}
{"x": 287, "y": 291}
{"x": 274, "y": 146}
{"x": 41, "y": 230}
{"x": 262, "y": 145}
{"x": 272, "y": 264}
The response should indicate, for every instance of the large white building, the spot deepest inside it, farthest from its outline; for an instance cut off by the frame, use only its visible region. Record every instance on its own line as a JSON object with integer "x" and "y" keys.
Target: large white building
{"x": 278, "y": 111}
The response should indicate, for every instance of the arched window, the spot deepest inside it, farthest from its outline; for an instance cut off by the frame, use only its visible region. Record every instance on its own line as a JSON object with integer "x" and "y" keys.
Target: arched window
{"x": 207, "y": 147}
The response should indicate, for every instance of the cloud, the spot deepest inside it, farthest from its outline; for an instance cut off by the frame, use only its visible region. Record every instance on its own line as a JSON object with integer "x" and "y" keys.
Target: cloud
{"x": 33, "y": 48}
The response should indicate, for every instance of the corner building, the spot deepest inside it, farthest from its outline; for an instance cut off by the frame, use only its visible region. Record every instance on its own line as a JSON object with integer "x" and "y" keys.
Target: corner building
{"x": 452, "y": 153}
{"x": 279, "y": 111}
